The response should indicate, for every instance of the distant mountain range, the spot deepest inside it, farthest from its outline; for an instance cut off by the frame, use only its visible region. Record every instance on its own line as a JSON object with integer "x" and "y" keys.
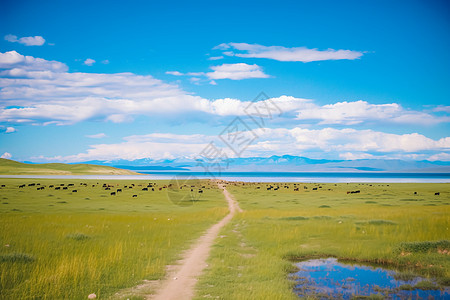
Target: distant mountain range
{"x": 275, "y": 163}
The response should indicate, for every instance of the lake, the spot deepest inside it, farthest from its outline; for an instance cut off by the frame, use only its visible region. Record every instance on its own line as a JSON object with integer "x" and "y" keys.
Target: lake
{"x": 324, "y": 177}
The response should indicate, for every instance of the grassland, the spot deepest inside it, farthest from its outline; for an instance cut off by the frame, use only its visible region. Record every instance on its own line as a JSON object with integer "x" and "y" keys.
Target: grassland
{"x": 61, "y": 244}
{"x": 10, "y": 167}
{"x": 396, "y": 225}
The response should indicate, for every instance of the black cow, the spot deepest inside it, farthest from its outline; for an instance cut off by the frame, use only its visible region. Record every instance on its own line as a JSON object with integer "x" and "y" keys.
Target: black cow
{"x": 437, "y": 194}
{"x": 200, "y": 191}
{"x": 65, "y": 188}
{"x": 113, "y": 193}
{"x": 314, "y": 189}
{"x": 74, "y": 191}
{"x": 145, "y": 189}
{"x": 134, "y": 196}
{"x": 57, "y": 188}
{"x": 296, "y": 190}
{"x": 119, "y": 190}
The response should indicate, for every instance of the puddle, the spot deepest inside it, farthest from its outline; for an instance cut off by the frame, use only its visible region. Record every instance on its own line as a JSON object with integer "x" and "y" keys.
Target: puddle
{"x": 330, "y": 279}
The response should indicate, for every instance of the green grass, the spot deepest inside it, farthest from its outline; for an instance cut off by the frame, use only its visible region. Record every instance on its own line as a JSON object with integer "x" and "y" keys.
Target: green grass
{"x": 60, "y": 244}
{"x": 57, "y": 244}
{"x": 257, "y": 251}
{"x": 10, "y": 167}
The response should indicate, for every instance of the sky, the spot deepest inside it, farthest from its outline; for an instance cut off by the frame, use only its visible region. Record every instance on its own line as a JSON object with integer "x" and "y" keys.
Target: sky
{"x": 109, "y": 80}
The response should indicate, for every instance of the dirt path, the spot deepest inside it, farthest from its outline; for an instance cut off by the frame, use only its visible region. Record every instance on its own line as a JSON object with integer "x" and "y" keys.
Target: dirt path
{"x": 182, "y": 279}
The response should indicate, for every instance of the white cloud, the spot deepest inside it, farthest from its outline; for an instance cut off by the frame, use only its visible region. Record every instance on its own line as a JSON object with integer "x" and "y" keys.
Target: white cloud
{"x": 27, "y": 41}
{"x": 89, "y": 62}
{"x": 175, "y": 73}
{"x": 97, "y": 136}
{"x": 350, "y": 113}
{"x": 10, "y": 130}
{"x": 331, "y": 143}
{"x": 16, "y": 65}
{"x": 38, "y": 91}
{"x": 215, "y": 57}
{"x": 236, "y": 72}
{"x": 6, "y": 155}
{"x": 280, "y": 53}
{"x": 440, "y": 156}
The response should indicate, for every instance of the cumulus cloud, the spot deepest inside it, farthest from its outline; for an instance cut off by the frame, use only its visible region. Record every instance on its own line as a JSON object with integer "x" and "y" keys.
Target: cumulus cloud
{"x": 301, "y": 54}
{"x": 350, "y": 113}
{"x": 10, "y": 130}
{"x": 236, "y": 72}
{"x": 440, "y": 156}
{"x": 96, "y": 136}
{"x": 332, "y": 143}
{"x": 27, "y": 41}
{"x": 89, "y": 62}
{"x": 216, "y": 57}
{"x": 6, "y": 155}
{"x": 174, "y": 73}
{"x": 35, "y": 90}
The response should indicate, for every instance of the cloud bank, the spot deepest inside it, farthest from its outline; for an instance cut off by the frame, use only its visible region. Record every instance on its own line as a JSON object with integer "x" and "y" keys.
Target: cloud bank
{"x": 297, "y": 54}
{"x": 27, "y": 40}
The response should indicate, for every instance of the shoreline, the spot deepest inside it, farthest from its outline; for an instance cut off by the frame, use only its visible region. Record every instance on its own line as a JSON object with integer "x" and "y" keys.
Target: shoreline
{"x": 406, "y": 178}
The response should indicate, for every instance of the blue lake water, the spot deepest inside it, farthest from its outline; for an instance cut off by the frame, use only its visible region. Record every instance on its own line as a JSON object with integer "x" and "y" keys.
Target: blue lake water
{"x": 331, "y": 177}
{"x": 329, "y": 279}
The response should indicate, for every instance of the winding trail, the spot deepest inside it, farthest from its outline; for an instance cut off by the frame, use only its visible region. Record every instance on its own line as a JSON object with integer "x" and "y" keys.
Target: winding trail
{"x": 181, "y": 282}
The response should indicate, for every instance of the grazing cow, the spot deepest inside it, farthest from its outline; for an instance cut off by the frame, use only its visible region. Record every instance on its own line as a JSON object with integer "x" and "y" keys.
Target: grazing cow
{"x": 200, "y": 191}
{"x": 153, "y": 189}
{"x": 437, "y": 194}
{"x": 119, "y": 190}
{"x": 50, "y": 186}
{"x": 21, "y": 186}
{"x": 269, "y": 188}
{"x": 296, "y": 190}
{"x": 31, "y": 184}
{"x": 3, "y": 185}
{"x": 65, "y": 188}
{"x": 107, "y": 189}
{"x": 314, "y": 189}
{"x": 113, "y": 193}
{"x": 57, "y": 188}
{"x": 160, "y": 189}
{"x": 134, "y": 196}
{"x": 74, "y": 191}
{"x": 415, "y": 193}
{"x": 258, "y": 187}
{"x": 70, "y": 184}
{"x": 145, "y": 189}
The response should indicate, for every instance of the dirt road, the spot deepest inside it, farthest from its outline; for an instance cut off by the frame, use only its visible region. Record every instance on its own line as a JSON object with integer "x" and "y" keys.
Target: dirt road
{"x": 181, "y": 282}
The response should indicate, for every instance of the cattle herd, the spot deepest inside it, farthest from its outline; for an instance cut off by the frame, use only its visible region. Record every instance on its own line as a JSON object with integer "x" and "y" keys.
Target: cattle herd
{"x": 116, "y": 188}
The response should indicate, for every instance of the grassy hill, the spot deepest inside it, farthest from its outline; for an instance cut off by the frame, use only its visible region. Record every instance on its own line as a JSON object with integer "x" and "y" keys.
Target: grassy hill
{"x": 10, "y": 167}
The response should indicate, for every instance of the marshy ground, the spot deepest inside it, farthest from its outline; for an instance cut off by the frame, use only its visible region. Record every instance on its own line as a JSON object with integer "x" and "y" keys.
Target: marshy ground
{"x": 57, "y": 243}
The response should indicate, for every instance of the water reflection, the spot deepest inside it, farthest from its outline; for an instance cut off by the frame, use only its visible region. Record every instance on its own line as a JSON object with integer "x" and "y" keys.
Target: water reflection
{"x": 330, "y": 279}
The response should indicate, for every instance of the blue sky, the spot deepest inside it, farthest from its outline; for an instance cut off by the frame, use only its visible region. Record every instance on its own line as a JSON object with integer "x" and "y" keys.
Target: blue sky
{"x": 85, "y": 80}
